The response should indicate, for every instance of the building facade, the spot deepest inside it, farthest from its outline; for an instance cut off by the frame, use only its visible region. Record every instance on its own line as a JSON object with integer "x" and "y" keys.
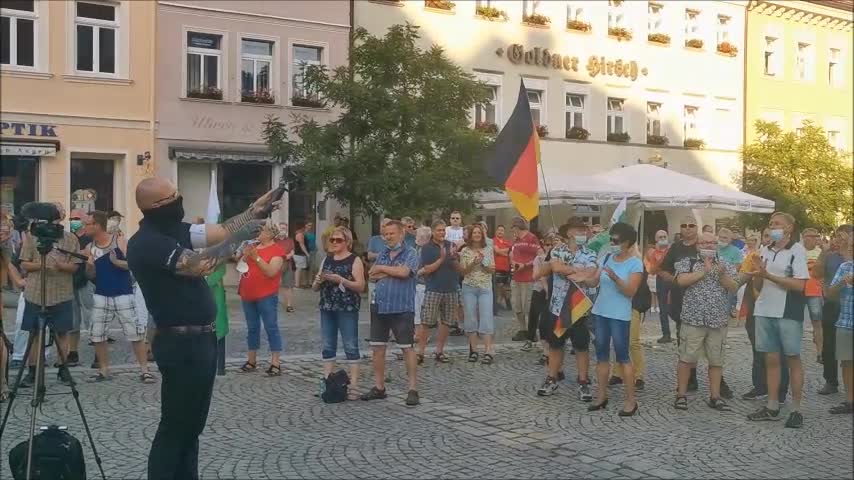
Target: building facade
{"x": 800, "y": 66}
{"x": 613, "y": 82}
{"x": 222, "y": 69}
{"x": 76, "y": 124}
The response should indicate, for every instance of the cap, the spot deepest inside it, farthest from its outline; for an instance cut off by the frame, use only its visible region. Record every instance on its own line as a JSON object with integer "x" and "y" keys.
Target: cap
{"x": 519, "y": 222}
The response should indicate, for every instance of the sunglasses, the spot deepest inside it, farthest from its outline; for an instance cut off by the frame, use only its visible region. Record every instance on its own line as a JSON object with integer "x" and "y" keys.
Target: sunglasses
{"x": 615, "y": 240}
{"x": 688, "y": 225}
{"x": 336, "y": 240}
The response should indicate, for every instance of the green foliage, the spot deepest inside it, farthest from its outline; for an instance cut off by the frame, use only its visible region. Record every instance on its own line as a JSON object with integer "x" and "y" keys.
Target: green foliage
{"x": 802, "y": 172}
{"x": 402, "y": 143}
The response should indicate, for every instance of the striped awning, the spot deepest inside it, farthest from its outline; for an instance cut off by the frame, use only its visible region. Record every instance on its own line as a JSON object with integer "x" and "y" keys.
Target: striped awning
{"x": 226, "y": 156}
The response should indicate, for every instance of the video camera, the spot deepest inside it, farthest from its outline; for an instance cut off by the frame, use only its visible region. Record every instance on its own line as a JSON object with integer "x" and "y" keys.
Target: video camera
{"x": 40, "y": 218}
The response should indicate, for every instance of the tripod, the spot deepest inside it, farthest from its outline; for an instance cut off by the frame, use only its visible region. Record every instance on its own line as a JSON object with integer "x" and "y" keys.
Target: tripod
{"x": 38, "y": 339}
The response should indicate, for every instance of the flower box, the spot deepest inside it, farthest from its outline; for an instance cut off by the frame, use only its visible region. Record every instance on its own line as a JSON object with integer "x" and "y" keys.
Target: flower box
{"x": 578, "y": 26}
{"x": 306, "y": 102}
{"x": 695, "y": 143}
{"x": 487, "y": 128}
{"x": 258, "y": 96}
{"x": 542, "y": 131}
{"x": 694, "y": 43}
{"x": 661, "y": 38}
{"x": 490, "y": 13}
{"x": 577, "y": 133}
{"x": 620, "y": 33}
{"x": 207, "y": 93}
{"x": 536, "y": 19}
{"x": 440, "y": 4}
{"x": 619, "y": 137}
{"x": 727, "y": 48}
{"x": 657, "y": 140}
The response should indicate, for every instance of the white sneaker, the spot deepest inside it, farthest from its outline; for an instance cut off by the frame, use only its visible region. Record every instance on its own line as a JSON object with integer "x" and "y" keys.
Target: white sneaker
{"x": 548, "y": 388}
{"x": 584, "y": 393}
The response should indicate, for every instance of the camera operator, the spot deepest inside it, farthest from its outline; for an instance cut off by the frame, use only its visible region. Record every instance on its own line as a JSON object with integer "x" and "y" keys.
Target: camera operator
{"x": 59, "y": 272}
{"x": 172, "y": 278}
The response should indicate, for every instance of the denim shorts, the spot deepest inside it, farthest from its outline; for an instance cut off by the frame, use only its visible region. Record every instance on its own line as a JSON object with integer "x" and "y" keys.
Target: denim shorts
{"x": 607, "y": 329}
{"x": 779, "y": 335}
{"x": 814, "y": 306}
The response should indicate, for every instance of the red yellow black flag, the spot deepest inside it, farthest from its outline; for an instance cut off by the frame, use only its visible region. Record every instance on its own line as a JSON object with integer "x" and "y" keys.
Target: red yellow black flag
{"x": 516, "y": 156}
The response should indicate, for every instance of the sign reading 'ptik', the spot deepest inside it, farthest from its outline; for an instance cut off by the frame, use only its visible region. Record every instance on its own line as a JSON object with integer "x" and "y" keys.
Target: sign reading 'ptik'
{"x": 596, "y": 65}
{"x": 28, "y": 129}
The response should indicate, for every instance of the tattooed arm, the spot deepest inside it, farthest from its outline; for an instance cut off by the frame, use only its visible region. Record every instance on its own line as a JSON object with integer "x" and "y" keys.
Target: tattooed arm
{"x": 198, "y": 264}
{"x": 215, "y": 234}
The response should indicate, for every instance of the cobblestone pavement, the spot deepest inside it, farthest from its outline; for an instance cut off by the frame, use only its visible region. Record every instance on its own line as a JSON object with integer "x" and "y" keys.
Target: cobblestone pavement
{"x": 475, "y": 421}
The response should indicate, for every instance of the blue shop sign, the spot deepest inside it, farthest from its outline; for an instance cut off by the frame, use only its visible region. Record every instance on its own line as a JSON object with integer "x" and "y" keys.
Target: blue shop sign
{"x": 27, "y": 129}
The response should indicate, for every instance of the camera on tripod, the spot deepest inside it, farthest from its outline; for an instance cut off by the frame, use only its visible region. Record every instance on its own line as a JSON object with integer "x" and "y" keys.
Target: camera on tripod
{"x": 40, "y": 219}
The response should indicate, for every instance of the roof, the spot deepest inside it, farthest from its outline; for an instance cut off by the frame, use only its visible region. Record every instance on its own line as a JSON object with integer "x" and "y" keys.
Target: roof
{"x": 847, "y": 5}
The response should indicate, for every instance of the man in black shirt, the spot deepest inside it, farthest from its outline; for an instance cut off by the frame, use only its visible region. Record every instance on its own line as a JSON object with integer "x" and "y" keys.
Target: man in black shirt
{"x": 171, "y": 276}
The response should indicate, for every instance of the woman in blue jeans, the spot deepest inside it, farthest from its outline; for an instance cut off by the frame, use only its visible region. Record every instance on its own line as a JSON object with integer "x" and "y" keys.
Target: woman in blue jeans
{"x": 341, "y": 281}
{"x": 477, "y": 264}
{"x": 619, "y": 276}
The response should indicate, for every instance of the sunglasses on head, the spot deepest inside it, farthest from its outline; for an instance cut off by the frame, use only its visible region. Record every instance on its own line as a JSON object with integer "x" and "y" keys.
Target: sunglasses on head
{"x": 688, "y": 225}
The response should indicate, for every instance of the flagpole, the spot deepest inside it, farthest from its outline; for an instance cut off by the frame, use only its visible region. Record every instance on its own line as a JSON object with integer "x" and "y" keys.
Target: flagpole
{"x": 548, "y": 200}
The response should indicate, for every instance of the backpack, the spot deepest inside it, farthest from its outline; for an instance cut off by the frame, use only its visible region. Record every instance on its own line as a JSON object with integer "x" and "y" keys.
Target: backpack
{"x": 643, "y": 297}
{"x": 335, "y": 387}
{"x": 57, "y": 455}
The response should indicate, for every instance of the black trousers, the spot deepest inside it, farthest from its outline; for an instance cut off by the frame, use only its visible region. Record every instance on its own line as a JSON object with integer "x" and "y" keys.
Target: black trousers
{"x": 187, "y": 365}
{"x": 829, "y": 316}
{"x": 539, "y": 309}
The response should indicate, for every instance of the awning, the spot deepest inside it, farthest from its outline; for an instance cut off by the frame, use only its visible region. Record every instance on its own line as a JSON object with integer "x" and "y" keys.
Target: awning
{"x": 28, "y": 149}
{"x": 228, "y": 156}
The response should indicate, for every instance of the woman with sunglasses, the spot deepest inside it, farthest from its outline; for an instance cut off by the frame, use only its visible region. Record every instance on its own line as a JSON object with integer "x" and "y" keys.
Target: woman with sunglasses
{"x": 341, "y": 281}
{"x": 618, "y": 277}
{"x": 259, "y": 293}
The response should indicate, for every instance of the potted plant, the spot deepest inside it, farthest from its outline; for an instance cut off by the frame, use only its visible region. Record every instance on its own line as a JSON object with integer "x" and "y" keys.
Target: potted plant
{"x": 657, "y": 139}
{"x": 620, "y": 33}
{"x": 695, "y": 143}
{"x": 661, "y": 38}
{"x": 488, "y": 128}
{"x": 490, "y": 13}
{"x": 694, "y": 43}
{"x": 298, "y": 101}
{"x": 622, "y": 137}
{"x": 728, "y": 49}
{"x": 577, "y": 133}
{"x": 207, "y": 93}
{"x": 542, "y": 131}
{"x": 536, "y": 19}
{"x": 258, "y": 96}
{"x": 440, "y": 4}
{"x": 578, "y": 25}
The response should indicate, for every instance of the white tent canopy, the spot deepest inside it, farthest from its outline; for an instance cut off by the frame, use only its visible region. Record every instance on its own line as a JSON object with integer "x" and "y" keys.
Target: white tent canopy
{"x": 568, "y": 189}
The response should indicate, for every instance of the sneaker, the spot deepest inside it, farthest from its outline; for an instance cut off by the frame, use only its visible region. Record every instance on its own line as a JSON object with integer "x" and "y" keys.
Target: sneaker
{"x": 548, "y": 388}
{"x": 846, "y": 407}
{"x": 764, "y": 414}
{"x": 754, "y": 394}
{"x": 28, "y": 381}
{"x": 520, "y": 336}
{"x": 615, "y": 381}
{"x": 527, "y": 346}
{"x": 374, "y": 394}
{"x": 828, "y": 389}
{"x": 584, "y": 393}
{"x": 640, "y": 384}
{"x": 544, "y": 360}
{"x": 726, "y": 392}
{"x": 456, "y": 332}
{"x": 664, "y": 339}
{"x": 796, "y": 420}
{"x": 412, "y": 398}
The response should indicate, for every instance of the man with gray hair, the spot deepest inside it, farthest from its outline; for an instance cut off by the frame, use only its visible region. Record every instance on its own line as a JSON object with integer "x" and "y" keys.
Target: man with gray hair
{"x": 409, "y": 227}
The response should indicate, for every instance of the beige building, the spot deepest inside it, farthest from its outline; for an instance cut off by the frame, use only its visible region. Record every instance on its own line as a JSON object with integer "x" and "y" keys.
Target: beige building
{"x": 614, "y": 82}
{"x": 222, "y": 69}
{"x": 76, "y": 90}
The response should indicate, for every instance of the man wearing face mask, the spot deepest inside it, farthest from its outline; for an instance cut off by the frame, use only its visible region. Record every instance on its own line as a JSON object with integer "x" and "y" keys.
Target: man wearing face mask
{"x": 172, "y": 278}
{"x": 654, "y": 258}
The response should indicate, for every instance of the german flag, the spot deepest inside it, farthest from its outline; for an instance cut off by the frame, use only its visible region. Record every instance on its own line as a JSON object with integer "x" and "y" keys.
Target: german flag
{"x": 576, "y": 307}
{"x": 516, "y": 156}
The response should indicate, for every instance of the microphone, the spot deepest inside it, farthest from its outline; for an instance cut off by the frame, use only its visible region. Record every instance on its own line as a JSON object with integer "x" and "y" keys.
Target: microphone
{"x": 40, "y": 211}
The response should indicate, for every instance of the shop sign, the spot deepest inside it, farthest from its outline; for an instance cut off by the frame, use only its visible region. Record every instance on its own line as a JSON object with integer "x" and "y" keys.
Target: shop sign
{"x": 27, "y": 129}
{"x": 596, "y": 65}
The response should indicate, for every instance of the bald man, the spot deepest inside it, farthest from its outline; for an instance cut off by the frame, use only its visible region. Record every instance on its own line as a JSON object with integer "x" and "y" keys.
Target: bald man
{"x": 171, "y": 276}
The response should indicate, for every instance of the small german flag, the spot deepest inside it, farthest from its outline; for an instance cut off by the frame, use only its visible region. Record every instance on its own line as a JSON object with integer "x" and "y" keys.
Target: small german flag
{"x": 577, "y": 305}
{"x": 516, "y": 156}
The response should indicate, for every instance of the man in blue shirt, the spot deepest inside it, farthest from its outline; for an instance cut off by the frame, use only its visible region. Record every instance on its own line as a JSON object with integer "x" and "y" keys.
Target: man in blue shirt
{"x": 842, "y": 289}
{"x": 394, "y": 301}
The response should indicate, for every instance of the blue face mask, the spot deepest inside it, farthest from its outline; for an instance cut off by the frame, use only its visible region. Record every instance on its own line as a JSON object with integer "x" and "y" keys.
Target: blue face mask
{"x": 616, "y": 249}
{"x": 777, "y": 234}
{"x": 662, "y": 243}
{"x": 396, "y": 247}
{"x": 75, "y": 225}
{"x": 580, "y": 240}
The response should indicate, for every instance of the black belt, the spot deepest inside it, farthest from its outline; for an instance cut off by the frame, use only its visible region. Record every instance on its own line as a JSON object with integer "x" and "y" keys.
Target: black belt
{"x": 186, "y": 329}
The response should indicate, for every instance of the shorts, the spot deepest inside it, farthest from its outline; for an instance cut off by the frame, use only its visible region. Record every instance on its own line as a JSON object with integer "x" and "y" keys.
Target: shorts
{"x": 650, "y": 282}
{"x": 105, "y": 309}
{"x": 301, "y": 262}
{"x": 420, "y": 290}
{"x": 287, "y": 276}
{"x": 578, "y": 334}
{"x": 60, "y": 317}
{"x": 814, "y": 306}
{"x": 696, "y": 340}
{"x": 776, "y": 335}
{"x": 401, "y": 324}
{"x": 502, "y": 278}
{"x": 844, "y": 347}
{"x": 440, "y": 306}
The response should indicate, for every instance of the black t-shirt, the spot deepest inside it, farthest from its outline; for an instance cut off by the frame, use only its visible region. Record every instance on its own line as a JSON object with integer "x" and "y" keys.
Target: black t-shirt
{"x": 677, "y": 252}
{"x": 172, "y": 299}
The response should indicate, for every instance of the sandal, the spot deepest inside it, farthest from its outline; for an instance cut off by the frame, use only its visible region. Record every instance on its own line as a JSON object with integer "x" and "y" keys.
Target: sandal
{"x": 487, "y": 359}
{"x": 441, "y": 357}
{"x": 419, "y": 357}
{"x": 681, "y": 403}
{"x": 147, "y": 377}
{"x": 290, "y": 309}
{"x": 353, "y": 395}
{"x": 719, "y": 405}
{"x": 472, "y": 357}
{"x": 248, "y": 367}
{"x": 98, "y": 378}
{"x": 274, "y": 371}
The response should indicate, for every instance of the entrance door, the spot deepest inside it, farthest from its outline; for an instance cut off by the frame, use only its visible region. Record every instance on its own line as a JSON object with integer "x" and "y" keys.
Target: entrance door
{"x": 241, "y": 184}
{"x": 653, "y": 221}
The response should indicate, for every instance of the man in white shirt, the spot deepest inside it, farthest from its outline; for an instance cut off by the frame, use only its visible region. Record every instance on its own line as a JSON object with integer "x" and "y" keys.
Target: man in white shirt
{"x": 454, "y": 233}
{"x": 780, "y": 279}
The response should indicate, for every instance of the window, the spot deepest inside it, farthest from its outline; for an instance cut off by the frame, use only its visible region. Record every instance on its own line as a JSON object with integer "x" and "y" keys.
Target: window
{"x": 616, "y": 119}
{"x": 483, "y": 3}
{"x": 655, "y": 21}
{"x": 834, "y": 67}
{"x": 574, "y": 111}
{"x": 18, "y": 181}
{"x": 535, "y": 99}
{"x": 487, "y": 113}
{"x": 804, "y": 61}
{"x": 531, "y": 7}
{"x": 96, "y": 37}
{"x": 240, "y": 184}
{"x": 95, "y": 174}
{"x": 256, "y": 59}
{"x": 834, "y": 138}
{"x": 303, "y": 56}
{"x": 204, "y": 59}
{"x": 772, "y": 56}
{"x": 724, "y": 120}
{"x": 723, "y": 28}
{"x": 691, "y": 129}
{"x": 615, "y": 14}
{"x": 692, "y": 24}
{"x": 18, "y": 27}
{"x": 653, "y": 119}
{"x": 575, "y": 12}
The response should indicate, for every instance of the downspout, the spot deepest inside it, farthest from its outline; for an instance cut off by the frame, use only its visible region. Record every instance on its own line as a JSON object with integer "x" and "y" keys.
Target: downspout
{"x": 744, "y": 126}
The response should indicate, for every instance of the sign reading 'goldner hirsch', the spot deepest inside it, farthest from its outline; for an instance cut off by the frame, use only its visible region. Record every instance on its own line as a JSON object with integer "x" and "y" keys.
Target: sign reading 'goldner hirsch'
{"x": 543, "y": 57}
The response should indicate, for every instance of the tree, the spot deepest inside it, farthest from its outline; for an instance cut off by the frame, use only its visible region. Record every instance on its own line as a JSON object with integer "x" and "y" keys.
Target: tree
{"x": 802, "y": 172}
{"x": 402, "y": 143}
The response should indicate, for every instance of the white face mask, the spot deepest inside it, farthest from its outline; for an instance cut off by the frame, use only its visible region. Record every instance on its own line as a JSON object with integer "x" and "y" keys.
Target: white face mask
{"x": 722, "y": 244}
{"x": 580, "y": 240}
{"x": 707, "y": 253}
{"x": 113, "y": 225}
{"x": 616, "y": 249}
{"x": 662, "y": 243}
